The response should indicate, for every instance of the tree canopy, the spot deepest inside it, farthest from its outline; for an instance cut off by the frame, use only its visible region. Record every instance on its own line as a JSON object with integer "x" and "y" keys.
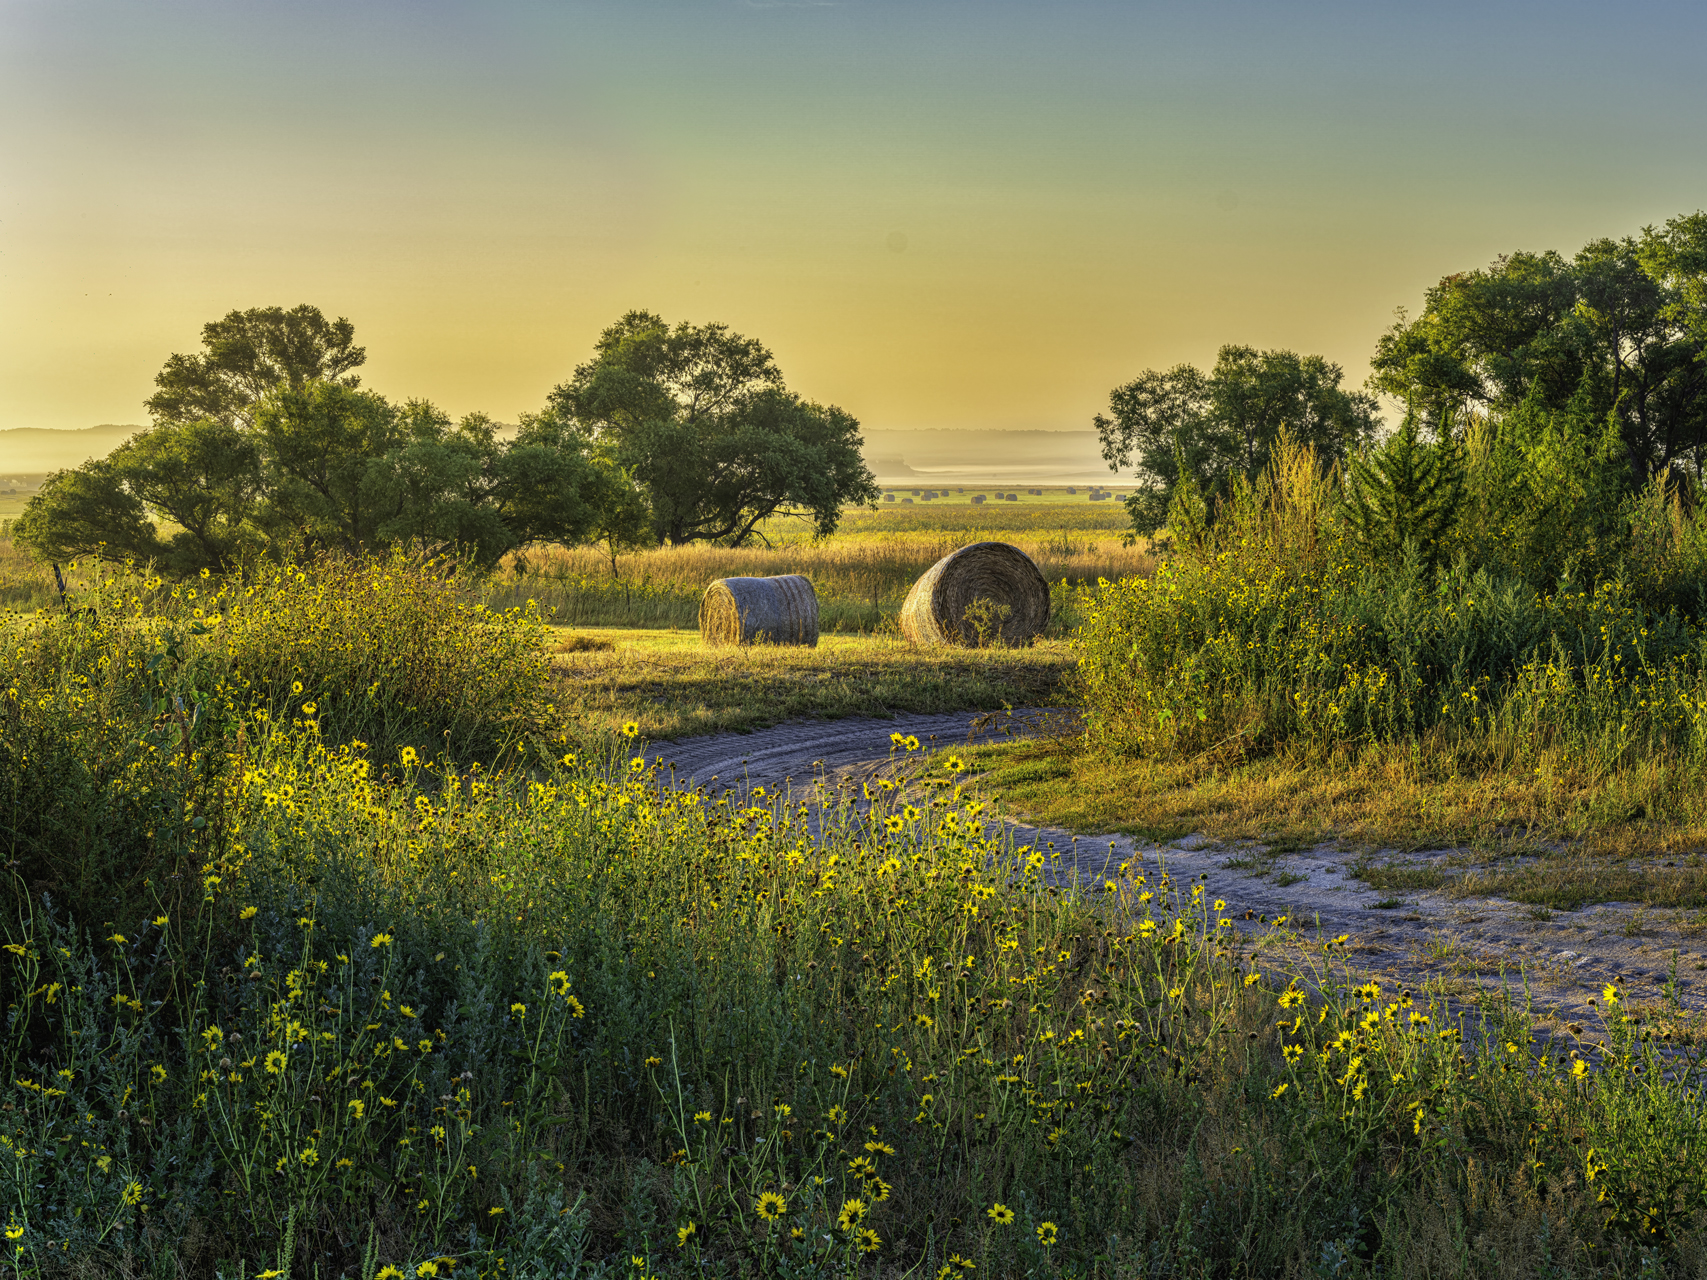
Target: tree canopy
{"x": 248, "y": 353}
{"x": 1620, "y": 329}
{"x": 701, "y": 420}
{"x": 1223, "y": 425}
{"x": 268, "y": 442}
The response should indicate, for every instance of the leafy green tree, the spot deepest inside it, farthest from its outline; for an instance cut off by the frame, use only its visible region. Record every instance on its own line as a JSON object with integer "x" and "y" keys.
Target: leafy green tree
{"x": 326, "y": 466}
{"x": 1621, "y": 329}
{"x": 88, "y": 510}
{"x": 349, "y": 470}
{"x": 1407, "y": 492}
{"x": 1223, "y": 426}
{"x": 324, "y": 445}
{"x": 248, "y": 353}
{"x": 700, "y": 419}
{"x": 202, "y": 476}
{"x": 1547, "y": 492}
{"x": 621, "y": 519}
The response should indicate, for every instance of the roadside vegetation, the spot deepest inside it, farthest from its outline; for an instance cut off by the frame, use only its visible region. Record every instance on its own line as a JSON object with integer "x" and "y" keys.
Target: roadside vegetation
{"x": 351, "y": 929}
{"x": 390, "y": 984}
{"x": 1279, "y": 677}
{"x": 1487, "y": 631}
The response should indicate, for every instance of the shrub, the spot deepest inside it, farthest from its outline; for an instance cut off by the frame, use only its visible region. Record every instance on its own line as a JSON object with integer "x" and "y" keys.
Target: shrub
{"x": 122, "y": 725}
{"x": 389, "y": 649}
{"x": 1273, "y": 628}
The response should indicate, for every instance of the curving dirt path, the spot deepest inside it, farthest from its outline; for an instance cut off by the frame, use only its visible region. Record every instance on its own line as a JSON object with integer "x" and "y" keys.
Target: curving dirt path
{"x": 1465, "y": 947}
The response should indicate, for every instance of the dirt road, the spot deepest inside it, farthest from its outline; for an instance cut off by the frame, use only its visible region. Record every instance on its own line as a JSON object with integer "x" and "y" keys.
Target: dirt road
{"x": 1463, "y": 946}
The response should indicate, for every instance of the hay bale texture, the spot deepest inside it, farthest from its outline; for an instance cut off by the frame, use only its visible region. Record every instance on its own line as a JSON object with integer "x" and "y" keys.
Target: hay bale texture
{"x": 936, "y": 608}
{"x": 781, "y": 610}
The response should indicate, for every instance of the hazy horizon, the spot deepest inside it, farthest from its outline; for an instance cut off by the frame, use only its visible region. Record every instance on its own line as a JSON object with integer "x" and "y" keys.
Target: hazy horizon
{"x": 937, "y": 215}
{"x": 928, "y": 455}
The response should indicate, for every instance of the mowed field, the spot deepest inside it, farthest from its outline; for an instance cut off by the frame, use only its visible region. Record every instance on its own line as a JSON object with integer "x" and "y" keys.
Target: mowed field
{"x": 669, "y": 685}
{"x": 654, "y": 672}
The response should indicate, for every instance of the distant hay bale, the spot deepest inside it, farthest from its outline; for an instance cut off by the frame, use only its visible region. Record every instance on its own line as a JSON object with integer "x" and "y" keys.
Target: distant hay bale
{"x": 975, "y": 595}
{"x": 781, "y": 610}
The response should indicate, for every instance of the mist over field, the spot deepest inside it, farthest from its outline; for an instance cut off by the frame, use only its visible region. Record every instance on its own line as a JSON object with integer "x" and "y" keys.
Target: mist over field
{"x": 941, "y": 456}
{"x": 971, "y": 456}
{"x": 34, "y": 451}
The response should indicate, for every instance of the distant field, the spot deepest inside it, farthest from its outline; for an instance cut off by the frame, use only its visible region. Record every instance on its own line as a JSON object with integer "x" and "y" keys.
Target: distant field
{"x": 13, "y": 502}
{"x": 997, "y": 518}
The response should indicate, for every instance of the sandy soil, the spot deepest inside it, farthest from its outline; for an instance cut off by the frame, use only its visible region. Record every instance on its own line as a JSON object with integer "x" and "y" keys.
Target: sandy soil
{"x": 1462, "y": 947}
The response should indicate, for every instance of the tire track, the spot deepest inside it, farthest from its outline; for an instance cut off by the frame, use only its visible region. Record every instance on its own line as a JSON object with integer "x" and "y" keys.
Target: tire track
{"x": 1464, "y": 946}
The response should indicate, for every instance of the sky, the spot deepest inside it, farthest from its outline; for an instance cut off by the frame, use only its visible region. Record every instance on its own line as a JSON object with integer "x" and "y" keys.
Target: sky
{"x": 935, "y": 214}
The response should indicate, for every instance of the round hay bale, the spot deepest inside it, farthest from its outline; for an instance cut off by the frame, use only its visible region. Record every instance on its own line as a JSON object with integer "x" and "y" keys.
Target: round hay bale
{"x": 781, "y": 610}
{"x": 980, "y": 593}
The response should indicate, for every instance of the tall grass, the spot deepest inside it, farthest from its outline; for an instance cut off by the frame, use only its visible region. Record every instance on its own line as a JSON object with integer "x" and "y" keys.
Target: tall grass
{"x": 25, "y": 583}
{"x": 371, "y": 1015}
{"x": 860, "y": 579}
{"x": 1274, "y": 632}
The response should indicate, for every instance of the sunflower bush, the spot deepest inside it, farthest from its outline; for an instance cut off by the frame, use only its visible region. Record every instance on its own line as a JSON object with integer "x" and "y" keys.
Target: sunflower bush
{"x": 385, "y": 1013}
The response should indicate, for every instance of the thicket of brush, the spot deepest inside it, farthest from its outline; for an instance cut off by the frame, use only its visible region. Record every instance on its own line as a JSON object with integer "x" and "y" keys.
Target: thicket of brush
{"x": 1506, "y": 587}
{"x": 289, "y": 994}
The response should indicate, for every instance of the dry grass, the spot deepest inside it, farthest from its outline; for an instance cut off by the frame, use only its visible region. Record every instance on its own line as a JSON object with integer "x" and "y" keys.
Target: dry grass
{"x": 861, "y": 578}
{"x": 1398, "y": 796}
{"x": 872, "y": 568}
{"x": 1568, "y": 882}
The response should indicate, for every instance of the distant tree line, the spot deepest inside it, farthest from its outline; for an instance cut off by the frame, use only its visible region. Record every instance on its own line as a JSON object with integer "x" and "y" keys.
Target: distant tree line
{"x": 1540, "y": 395}
{"x": 265, "y": 440}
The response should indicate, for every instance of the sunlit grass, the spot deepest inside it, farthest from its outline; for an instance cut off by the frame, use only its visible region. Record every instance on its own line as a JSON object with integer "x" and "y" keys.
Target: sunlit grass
{"x": 1449, "y": 790}
{"x": 861, "y": 577}
{"x": 671, "y": 685}
{"x": 382, "y": 1013}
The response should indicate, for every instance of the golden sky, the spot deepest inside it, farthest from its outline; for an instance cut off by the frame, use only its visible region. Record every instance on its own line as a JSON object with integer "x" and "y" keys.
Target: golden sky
{"x": 958, "y": 215}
